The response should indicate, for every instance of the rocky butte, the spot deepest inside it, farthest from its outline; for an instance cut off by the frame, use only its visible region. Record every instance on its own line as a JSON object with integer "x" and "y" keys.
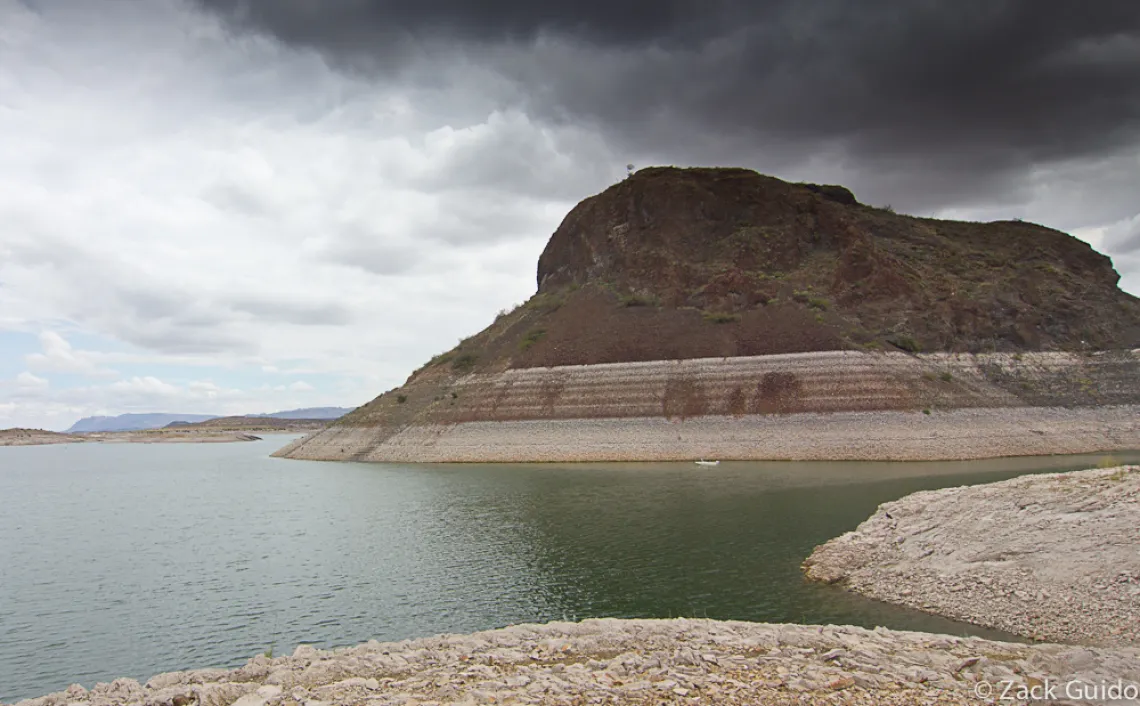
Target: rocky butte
{"x": 720, "y": 313}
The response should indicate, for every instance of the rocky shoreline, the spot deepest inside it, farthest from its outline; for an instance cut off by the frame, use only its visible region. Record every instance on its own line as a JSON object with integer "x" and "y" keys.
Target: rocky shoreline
{"x": 823, "y": 405}
{"x": 39, "y": 437}
{"x": 614, "y": 661}
{"x": 1052, "y": 557}
{"x": 938, "y": 435}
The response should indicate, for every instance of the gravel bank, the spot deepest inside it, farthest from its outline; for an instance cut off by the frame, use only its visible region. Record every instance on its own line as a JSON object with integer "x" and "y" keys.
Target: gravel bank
{"x": 34, "y": 437}
{"x": 1053, "y": 557}
{"x": 634, "y": 662}
{"x": 864, "y": 436}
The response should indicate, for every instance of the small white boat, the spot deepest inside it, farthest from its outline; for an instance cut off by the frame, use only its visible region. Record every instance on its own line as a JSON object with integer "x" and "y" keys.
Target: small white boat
{"x": 703, "y": 462}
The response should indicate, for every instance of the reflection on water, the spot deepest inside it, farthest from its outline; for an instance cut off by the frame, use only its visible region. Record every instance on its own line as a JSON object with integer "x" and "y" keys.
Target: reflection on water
{"x": 131, "y": 560}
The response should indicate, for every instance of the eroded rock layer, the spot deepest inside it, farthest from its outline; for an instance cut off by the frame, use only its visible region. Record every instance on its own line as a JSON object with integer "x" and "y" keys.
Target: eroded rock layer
{"x": 628, "y": 662}
{"x": 836, "y": 405}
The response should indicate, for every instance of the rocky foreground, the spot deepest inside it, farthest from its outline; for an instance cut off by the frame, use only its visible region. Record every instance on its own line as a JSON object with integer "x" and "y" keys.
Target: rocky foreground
{"x": 642, "y": 662}
{"x": 1053, "y": 557}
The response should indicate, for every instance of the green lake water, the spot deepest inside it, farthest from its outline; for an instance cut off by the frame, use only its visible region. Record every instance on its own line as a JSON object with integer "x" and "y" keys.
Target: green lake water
{"x": 130, "y": 560}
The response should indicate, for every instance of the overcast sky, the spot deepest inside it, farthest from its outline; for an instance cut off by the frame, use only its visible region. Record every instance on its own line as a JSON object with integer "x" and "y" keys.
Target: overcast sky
{"x": 235, "y": 206}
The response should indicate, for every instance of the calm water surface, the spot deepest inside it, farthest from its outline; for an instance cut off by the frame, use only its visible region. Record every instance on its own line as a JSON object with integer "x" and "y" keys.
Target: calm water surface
{"x": 130, "y": 560}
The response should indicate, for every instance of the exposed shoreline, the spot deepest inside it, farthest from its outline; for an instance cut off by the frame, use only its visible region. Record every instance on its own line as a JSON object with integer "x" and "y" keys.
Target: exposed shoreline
{"x": 1052, "y": 557}
{"x": 39, "y": 437}
{"x": 960, "y": 434}
{"x": 634, "y": 662}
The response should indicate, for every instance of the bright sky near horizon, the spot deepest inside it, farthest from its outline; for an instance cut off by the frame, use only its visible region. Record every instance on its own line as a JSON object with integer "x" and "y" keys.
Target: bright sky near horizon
{"x": 213, "y": 206}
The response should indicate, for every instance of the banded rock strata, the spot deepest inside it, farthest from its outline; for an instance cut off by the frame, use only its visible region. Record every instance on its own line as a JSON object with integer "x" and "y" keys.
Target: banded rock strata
{"x": 832, "y": 405}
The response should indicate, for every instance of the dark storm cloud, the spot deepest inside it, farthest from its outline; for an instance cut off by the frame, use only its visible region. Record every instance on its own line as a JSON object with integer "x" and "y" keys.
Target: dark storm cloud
{"x": 353, "y": 25}
{"x": 981, "y": 88}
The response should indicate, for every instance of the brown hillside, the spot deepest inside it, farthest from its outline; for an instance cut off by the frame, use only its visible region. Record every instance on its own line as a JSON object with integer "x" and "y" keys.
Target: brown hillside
{"x": 692, "y": 263}
{"x": 683, "y": 312}
{"x": 252, "y": 424}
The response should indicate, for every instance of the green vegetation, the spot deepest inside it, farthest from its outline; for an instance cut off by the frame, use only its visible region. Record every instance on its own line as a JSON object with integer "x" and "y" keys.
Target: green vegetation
{"x": 819, "y": 303}
{"x": 905, "y": 342}
{"x": 721, "y": 317}
{"x": 503, "y": 313}
{"x": 926, "y": 410}
{"x": 532, "y": 337}
{"x": 464, "y": 362}
{"x": 442, "y": 358}
{"x": 1107, "y": 462}
{"x": 547, "y": 302}
{"x": 946, "y": 376}
{"x": 637, "y": 299}
{"x": 401, "y": 399}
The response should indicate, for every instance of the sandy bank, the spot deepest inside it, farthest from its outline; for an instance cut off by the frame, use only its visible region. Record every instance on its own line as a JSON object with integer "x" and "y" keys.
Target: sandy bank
{"x": 633, "y": 662}
{"x": 880, "y": 436}
{"x": 35, "y": 437}
{"x": 1054, "y": 557}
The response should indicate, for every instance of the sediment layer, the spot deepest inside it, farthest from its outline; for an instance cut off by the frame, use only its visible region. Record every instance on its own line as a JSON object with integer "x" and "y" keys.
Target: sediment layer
{"x": 640, "y": 662}
{"x": 885, "y": 436}
{"x": 1053, "y": 557}
{"x": 819, "y": 406}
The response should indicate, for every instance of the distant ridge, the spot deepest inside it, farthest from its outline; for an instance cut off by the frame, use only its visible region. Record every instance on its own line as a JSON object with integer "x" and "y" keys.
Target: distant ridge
{"x": 157, "y": 420}
{"x": 134, "y": 422}
{"x": 309, "y": 413}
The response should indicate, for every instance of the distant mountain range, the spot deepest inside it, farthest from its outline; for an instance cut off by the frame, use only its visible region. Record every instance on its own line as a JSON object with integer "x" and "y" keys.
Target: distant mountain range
{"x": 157, "y": 420}
{"x": 309, "y": 413}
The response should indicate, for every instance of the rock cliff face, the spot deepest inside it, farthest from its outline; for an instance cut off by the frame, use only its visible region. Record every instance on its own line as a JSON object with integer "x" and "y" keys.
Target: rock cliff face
{"x": 689, "y": 294}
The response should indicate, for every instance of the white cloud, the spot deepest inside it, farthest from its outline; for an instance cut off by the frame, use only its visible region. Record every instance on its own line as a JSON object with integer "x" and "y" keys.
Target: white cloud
{"x": 30, "y": 401}
{"x": 206, "y": 208}
{"x": 149, "y": 386}
{"x": 27, "y": 382}
{"x": 59, "y": 357}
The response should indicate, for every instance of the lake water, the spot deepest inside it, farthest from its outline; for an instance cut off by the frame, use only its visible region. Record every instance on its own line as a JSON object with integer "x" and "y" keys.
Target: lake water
{"x": 130, "y": 560}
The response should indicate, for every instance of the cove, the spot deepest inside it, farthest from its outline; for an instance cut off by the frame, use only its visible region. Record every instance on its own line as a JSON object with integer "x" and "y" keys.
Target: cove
{"x": 130, "y": 560}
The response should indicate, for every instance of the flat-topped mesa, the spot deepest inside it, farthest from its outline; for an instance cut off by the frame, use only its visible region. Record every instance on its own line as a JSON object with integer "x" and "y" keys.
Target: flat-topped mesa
{"x": 713, "y": 277}
{"x": 731, "y": 242}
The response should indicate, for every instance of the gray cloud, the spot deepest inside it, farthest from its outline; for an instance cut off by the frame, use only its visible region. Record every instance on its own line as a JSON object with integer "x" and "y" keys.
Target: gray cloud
{"x": 958, "y": 97}
{"x": 352, "y": 25}
{"x": 292, "y": 312}
{"x": 247, "y": 169}
{"x": 1123, "y": 238}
